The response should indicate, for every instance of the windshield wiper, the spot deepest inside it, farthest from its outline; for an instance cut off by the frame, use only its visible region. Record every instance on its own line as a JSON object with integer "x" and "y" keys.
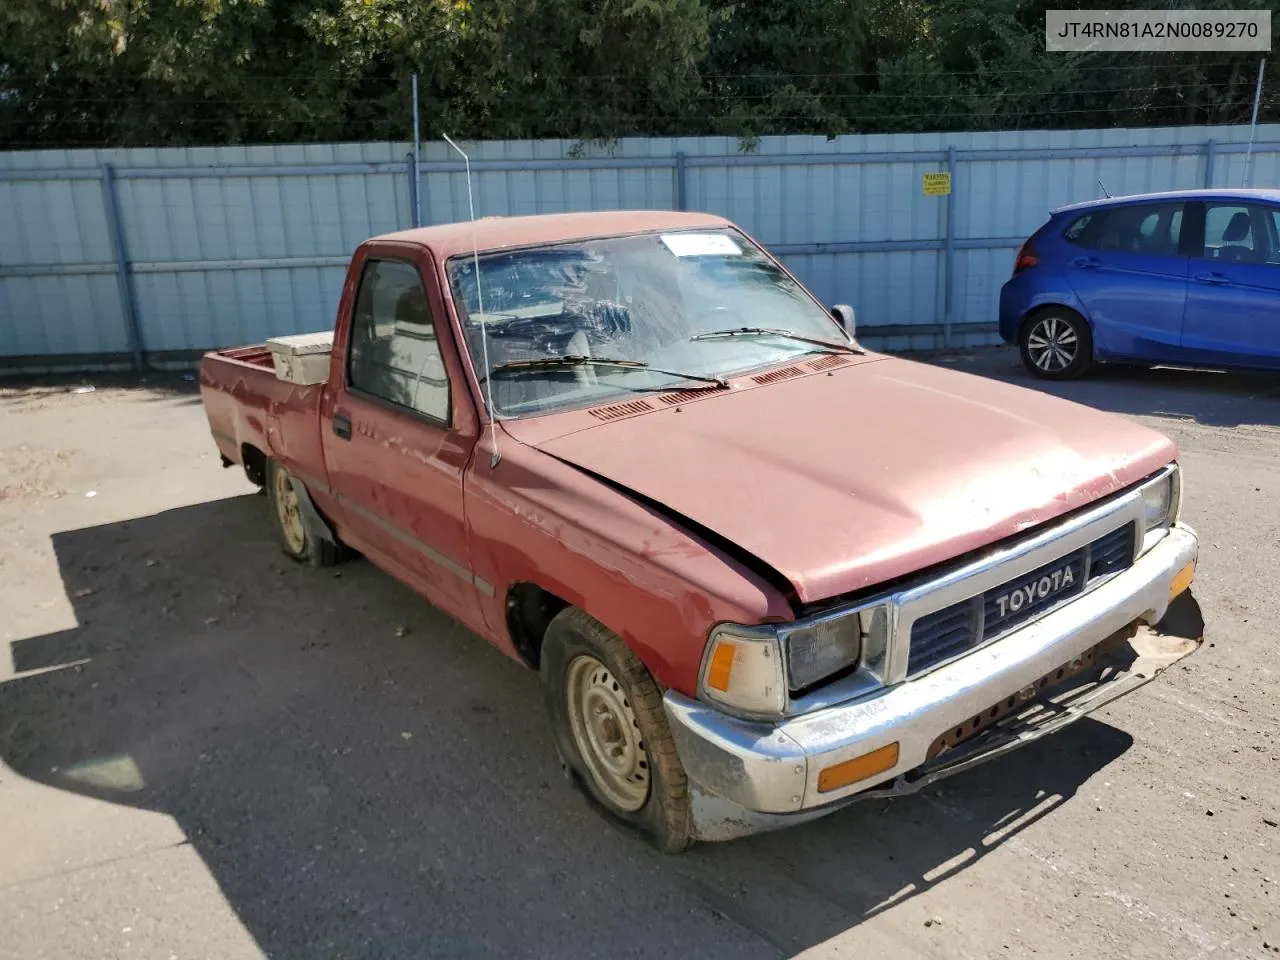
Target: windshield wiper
{"x": 572, "y": 360}
{"x": 775, "y": 332}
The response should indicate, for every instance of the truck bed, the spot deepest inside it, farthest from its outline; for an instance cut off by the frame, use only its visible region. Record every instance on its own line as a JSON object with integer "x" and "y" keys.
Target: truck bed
{"x": 256, "y": 355}
{"x": 253, "y": 415}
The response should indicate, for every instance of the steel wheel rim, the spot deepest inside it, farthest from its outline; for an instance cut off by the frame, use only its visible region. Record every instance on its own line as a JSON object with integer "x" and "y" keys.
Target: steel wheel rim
{"x": 607, "y": 734}
{"x": 1052, "y": 344}
{"x": 288, "y": 512}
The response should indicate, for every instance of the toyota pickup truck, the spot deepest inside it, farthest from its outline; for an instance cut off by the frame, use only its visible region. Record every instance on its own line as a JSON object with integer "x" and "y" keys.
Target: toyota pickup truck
{"x": 762, "y": 571}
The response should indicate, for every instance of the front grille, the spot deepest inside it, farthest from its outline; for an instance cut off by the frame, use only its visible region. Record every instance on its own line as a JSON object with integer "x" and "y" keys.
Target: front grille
{"x": 1112, "y": 553}
{"x": 946, "y": 633}
{"x": 941, "y": 635}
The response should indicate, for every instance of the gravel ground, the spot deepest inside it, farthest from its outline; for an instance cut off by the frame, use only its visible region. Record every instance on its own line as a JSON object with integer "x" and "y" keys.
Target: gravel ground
{"x": 208, "y": 751}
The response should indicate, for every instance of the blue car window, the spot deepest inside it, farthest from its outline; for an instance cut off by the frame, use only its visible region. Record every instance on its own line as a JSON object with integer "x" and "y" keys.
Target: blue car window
{"x": 1235, "y": 232}
{"x": 1273, "y": 222}
{"x": 1148, "y": 228}
{"x": 1076, "y": 233}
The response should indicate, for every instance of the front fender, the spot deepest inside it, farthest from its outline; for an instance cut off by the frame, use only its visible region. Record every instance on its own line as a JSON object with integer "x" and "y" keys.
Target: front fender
{"x": 538, "y": 520}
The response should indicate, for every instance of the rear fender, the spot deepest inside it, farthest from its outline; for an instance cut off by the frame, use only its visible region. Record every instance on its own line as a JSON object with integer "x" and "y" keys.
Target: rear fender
{"x": 307, "y": 506}
{"x": 1066, "y": 299}
{"x": 1058, "y": 296}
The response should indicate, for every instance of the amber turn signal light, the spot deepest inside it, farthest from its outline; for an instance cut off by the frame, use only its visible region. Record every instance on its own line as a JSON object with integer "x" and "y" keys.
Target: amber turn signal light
{"x": 721, "y": 668}
{"x": 859, "y": 768}
{"x": 1182, "y": 580}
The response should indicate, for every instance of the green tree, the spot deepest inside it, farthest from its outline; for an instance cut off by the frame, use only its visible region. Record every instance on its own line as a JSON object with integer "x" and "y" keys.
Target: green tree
{"x": 175, "y": 72}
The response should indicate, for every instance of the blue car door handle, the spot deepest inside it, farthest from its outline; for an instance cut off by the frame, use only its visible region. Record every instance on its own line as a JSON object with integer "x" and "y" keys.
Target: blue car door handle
{"x": 1087, "y": 263}
{"x": 1211, "y": 278}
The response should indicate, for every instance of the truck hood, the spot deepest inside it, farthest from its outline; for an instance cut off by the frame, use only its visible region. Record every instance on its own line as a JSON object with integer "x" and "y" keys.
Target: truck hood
{"x": 843, "y": 480}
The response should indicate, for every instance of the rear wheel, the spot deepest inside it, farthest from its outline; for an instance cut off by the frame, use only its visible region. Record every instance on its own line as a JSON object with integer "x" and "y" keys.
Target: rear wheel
{"x": 301, "y": 536}
{"x": 1056, "y": 344}
{"x": 611, "y": 731}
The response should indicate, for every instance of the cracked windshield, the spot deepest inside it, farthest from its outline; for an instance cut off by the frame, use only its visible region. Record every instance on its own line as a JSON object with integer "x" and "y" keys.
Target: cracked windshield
{"x": 573, "y": 325}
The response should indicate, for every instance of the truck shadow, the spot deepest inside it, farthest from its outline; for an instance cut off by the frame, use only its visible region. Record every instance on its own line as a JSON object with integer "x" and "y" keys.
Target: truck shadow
{"x": 1213, "y": 398}
{"x": 363, "y": 777}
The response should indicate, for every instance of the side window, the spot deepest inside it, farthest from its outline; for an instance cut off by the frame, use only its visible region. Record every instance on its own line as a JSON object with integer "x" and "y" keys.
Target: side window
{"x": 1083, "y": 230}
{"x": 1237, "y": 232}
{"x": 394, "y": 352}
{"x": 1150, "y": 228}
{"x": 1272, "y": 219}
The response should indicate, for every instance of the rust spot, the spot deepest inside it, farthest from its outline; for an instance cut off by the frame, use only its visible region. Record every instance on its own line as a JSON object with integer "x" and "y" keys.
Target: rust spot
{"x": 989, "y": 717}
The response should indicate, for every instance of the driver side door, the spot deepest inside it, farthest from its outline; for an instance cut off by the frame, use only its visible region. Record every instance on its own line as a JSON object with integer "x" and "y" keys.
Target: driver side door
{"x": 397, "y": 451}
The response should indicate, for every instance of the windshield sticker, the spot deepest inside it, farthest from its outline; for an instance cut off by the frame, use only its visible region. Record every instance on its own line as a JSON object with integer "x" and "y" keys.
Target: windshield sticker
{"x": 701, "y": 245}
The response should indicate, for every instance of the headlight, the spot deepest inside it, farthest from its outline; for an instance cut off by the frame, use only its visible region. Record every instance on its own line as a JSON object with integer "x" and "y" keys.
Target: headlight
{"x": 818, "y": 650}
{"x": 753, "y": 670}
{"x": 1161, "y": 500}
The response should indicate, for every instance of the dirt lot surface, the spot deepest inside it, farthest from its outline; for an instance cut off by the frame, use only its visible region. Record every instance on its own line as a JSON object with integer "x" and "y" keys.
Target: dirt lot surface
{"x": 208, "y": 751}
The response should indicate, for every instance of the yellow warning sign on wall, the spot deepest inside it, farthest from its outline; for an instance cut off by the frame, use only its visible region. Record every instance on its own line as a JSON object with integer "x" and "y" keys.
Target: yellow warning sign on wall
{"x": 937, "y": 184}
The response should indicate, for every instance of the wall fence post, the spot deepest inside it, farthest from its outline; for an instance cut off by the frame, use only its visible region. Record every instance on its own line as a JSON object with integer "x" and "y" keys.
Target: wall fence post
{"x": 1210, "y": 149}
{"x": 681, "y": 196}
{"x": 949, "y": 251}
{"x": 128, "y": 305}
{"x": 411, "y": 172}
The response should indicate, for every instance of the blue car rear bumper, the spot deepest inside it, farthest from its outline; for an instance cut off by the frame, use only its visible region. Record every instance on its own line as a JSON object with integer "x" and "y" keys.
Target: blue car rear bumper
{"x": 1011, "y": 312}
{"x": 1039, "y": 286}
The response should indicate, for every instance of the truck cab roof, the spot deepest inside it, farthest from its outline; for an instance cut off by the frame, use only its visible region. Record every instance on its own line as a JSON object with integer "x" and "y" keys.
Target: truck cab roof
{"x": 501, "y": 233}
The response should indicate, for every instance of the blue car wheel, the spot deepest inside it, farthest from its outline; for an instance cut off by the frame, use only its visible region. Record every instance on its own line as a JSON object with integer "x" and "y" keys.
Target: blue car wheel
{"x": 1056, "y": 344}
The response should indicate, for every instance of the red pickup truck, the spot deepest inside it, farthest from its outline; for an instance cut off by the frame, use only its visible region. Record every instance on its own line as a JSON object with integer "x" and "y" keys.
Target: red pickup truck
{"x": 762, "y": 571}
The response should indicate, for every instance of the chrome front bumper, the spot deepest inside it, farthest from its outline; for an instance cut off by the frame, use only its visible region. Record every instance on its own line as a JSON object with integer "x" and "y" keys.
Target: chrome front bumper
{"x": 748, "y": 776}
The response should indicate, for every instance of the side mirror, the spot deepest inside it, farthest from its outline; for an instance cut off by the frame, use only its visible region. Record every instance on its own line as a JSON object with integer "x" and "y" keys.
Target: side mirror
{"x": 844, "y": 316}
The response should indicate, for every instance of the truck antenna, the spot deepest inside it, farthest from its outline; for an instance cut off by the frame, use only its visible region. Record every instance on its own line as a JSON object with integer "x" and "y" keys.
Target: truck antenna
{"x": 484, "y": 332}
{"x": 1103, "y": 187}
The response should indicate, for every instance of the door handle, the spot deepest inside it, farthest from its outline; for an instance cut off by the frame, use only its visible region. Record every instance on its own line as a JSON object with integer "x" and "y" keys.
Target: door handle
{"x": 1215, "y": 278}
{"x": 342, "y": 426}
{"x": 1087, "y": 263}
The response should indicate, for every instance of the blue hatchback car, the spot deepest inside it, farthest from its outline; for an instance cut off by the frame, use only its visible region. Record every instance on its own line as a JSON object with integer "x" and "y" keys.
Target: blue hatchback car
{"x": 1187, "y": 278}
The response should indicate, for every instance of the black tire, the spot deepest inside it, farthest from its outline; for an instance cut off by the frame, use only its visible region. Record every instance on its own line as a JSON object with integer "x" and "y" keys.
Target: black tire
{"x": 1056, "y": 344}
{"x": 573, "y": 639}
{"x": 305, "y": 542}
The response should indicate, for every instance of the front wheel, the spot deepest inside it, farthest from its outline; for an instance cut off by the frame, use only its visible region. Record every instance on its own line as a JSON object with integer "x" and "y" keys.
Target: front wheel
{"x": 1056, "y": 345}
{"x": 610, "y": 729}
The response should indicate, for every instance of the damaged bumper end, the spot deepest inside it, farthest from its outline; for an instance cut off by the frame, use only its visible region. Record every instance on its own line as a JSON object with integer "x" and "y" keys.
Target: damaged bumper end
{"x": 747, "y": 777}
